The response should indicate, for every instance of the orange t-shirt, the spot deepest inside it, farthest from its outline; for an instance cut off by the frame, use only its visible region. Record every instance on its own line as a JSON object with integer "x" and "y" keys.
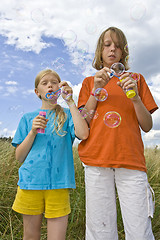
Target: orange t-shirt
{"x": 122, "y": 146}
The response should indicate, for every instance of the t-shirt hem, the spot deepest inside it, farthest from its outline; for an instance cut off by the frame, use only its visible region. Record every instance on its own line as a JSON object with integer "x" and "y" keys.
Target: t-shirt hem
{"x": 47, "y": 187}
{"x": 143, "y": 169}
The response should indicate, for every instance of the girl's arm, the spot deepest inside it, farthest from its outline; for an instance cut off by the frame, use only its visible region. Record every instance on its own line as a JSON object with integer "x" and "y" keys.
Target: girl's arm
{"x": 101, "y": 78}
{"x": 80, "y": 125}
{"x": 23, "y": 149}
{"x": 143, "y": 115}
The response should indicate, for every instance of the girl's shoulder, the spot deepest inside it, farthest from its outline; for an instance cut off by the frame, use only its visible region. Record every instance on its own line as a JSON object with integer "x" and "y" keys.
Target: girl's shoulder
{"x": 31, "y": 114}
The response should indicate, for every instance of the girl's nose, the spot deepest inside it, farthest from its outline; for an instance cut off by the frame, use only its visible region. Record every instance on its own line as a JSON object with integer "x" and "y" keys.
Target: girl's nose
{"x": 49, "y": 84}
{"x": 113, "y": 46}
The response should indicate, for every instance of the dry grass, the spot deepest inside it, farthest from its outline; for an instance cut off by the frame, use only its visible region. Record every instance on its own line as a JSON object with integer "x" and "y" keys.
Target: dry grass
{"x": 11, "y": 227}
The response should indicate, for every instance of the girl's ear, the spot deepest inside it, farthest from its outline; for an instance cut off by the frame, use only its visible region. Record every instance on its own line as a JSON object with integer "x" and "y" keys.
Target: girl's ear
{"x": 37, "y": 93}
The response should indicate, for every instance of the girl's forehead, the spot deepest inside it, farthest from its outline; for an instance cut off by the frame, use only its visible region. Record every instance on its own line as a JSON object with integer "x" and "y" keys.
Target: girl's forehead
{"x": 49, "y": 77}
{"x": 110, "y": 36}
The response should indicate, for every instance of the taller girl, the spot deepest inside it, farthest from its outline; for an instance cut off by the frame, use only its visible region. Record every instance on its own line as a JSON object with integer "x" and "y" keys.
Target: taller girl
{"x": 114, "y": 157}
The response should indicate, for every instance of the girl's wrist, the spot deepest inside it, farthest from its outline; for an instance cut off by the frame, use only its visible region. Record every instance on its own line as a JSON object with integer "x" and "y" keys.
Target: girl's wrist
{"x": 33, "y": 132}
{"x": 70, "y": 102}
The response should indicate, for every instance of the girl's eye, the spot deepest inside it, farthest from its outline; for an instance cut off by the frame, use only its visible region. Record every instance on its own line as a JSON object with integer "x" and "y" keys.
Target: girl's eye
{"x": 44, "y": 83}
{"x": 106, "y": 45}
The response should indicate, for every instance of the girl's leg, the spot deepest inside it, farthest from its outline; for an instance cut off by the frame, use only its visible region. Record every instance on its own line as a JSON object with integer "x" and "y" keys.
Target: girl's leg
{"x": 32, "y": 227}
{"x": 56, "y": 228}
{"x": 101, "y": 214}
{"x": 136, "y": 203}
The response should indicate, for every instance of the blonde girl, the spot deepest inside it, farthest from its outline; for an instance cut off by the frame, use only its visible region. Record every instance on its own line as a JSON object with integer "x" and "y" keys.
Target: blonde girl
{"x": 47, "y": 170}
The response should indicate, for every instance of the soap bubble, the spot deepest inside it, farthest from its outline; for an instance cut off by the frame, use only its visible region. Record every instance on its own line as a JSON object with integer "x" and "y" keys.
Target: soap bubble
{"x": 69, "y": 37}
{"x": 53, "y": 95}
{"x": 112, "y": 119}
{"x": 135, "y": 76}
{"x": 91, "y": 28}
{"x": 118, "y": 68}
{"x": 100, "y": 94}
{"x": 82, "y": 46}
{"x": 127, "y": 58}
{"x": 84, "y": 113}
{"x": 137, "y": 11}
{"x": 126, "y": 48}
{"x": 58, "y": 63}
{"x": 96, "y": 115}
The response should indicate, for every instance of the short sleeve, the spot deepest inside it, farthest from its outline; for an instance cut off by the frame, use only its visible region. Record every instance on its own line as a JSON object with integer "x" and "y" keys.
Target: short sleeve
{"x": 85, "y": 91}
{"x": 21, "y": 132}
{"x": 71, "y": 126}
{"x": 146, "y": 95}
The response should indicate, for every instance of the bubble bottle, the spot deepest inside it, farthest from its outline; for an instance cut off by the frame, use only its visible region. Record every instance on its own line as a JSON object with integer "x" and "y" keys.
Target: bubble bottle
{"x": 41, "y": 130}
{"x": 117, "y": 70}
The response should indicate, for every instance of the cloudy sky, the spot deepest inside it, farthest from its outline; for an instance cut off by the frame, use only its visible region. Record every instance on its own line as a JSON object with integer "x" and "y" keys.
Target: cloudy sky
{"x": 62, "y": 35}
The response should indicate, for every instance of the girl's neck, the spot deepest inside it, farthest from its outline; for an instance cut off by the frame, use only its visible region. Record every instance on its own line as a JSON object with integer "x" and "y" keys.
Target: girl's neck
{"x": 47, "y": 105}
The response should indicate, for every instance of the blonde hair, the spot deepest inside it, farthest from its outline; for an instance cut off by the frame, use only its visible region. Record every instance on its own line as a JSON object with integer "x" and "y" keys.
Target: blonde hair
{"x": 60, "y": 115}
{"x": 122, "y": 41}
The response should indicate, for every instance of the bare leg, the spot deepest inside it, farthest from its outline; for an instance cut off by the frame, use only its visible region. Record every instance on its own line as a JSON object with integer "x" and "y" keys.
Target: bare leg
{"x": 56, "y": 228}
{"x": 32, "y": 227}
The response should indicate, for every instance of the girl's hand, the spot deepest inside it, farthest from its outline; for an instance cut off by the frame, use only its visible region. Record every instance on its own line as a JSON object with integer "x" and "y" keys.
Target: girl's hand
{"x": 101, "y": 78}
{"x": 66, "y": 91}
{"x": 38, "y": 122}
{"x": 127, "y": 82}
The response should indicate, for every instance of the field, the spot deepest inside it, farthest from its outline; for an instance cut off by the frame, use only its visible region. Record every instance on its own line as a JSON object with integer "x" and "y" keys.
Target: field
{"x": 11, "y": 227}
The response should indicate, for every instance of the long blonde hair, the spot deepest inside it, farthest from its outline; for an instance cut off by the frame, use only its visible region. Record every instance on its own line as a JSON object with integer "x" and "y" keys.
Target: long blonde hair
{"x": 60, "y": 115}
{"x": 122, "y": 41}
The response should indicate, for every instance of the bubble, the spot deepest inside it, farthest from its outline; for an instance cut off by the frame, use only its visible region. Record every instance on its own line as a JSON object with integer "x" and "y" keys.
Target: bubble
{"x": 37, "y": 15}
{"x": 118, "y": 68}
{"x": 68, "y": 96}
{"x": 96, "y": 115}
{"x": 100, "y": 94}
{"x": 91, "y": 28}
{"x": 135, "y": 76}
{"x": 69, "y": 37}
{"x": 53, "y": 95}
{"x": 84, "y": 113}
{"x": 82, "y": 46}
{"x": 112, "y": 119}
{"x": 127, "y": 58}
{"x": 91, "y": 113}
{"x": 137, "y": 11}
{"x": 126, "y": 49}
{"x": 45, "y": 65}
{"x": 58, "y": 63}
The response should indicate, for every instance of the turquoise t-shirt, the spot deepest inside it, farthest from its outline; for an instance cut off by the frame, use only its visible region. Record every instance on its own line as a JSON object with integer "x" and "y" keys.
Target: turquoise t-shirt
{"x": 49, "y": 164}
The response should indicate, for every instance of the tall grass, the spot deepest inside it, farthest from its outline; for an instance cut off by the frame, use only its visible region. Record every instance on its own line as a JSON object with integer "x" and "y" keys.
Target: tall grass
{"x": 11, "y": 227}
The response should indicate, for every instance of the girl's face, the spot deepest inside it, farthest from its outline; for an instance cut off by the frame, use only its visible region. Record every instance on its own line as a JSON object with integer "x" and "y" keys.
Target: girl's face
{"x": 111, "y": 52}
{"x": 49, "y": 83}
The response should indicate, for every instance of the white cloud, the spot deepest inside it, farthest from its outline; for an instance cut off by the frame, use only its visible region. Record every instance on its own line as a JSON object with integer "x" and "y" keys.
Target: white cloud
{"x": 12, "y": 90}
{"x": 11, "y": 83}
{"x": 7, "y": 133}
{"x": 28, "y": 92}
{"x": 25, "y": 24}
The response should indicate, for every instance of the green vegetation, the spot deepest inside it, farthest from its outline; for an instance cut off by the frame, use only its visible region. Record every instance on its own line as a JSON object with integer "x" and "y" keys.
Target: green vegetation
{"x": 11, "y": 227}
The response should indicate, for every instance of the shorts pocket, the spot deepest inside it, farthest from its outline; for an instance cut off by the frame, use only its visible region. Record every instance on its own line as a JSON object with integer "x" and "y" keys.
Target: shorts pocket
{"x": 151, "y": 201}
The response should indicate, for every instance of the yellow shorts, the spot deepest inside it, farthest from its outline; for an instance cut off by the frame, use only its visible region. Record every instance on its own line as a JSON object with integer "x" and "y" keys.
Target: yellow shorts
{"x": 54, "y": 203}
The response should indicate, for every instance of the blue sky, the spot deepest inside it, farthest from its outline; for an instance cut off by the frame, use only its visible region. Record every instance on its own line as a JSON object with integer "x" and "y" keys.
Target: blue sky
{"x": 62, "y": 35}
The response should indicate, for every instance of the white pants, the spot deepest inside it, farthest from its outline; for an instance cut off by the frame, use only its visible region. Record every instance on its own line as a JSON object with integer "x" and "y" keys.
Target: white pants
{"x": 135, "y": 196}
